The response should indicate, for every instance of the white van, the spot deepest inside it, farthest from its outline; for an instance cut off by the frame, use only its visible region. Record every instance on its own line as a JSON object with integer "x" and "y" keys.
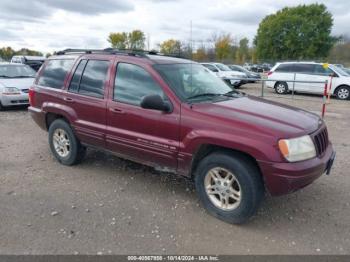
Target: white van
{"x": 281, "y": 73}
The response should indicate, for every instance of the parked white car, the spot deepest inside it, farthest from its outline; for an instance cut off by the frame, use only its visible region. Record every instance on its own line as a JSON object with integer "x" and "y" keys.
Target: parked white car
{"x": 15, "y": 80}
{"x": 282, "y": 73}
{"x": 228, "y": 75}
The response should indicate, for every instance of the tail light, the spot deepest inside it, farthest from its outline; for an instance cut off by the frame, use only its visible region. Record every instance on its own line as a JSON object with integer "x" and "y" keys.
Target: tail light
{"x": 269, "y": 73}
{"x": 31, "y": 95}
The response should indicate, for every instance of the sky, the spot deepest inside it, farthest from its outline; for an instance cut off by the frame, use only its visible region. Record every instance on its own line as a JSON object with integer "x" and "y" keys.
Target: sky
{"x": 51, "y": 25}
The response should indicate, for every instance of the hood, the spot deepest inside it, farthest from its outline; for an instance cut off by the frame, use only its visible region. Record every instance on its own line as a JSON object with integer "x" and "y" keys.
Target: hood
{"x": 20, "y": 83}
{"x": 262, "y": 116}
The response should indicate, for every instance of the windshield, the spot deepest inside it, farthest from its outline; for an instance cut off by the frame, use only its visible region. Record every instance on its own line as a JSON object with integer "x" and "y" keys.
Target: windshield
{"x": 223, "y": 67}
{"x": 13, "y": 71}
{"x": 341, "y": 71}
{"x": 192, "y": 80}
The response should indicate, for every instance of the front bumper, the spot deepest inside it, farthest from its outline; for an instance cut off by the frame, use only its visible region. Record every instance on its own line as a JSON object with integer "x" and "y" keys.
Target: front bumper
{"x": 13, "y": 100}
{"x": 284, "y": 178}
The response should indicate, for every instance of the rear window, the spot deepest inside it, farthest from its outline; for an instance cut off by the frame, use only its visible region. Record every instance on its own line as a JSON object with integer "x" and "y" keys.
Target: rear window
{"x": 55, "y": 72}
{"x": 285, "y": 68}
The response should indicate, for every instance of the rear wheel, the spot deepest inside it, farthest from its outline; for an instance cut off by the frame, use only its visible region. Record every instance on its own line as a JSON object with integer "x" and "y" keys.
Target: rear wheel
{"x": 1, "y": 107}
{"x": 281, "y": 88}
{"x": 229, "y": 186}
{"x": 63, "y": 143}
{"x": 343, "y": 93}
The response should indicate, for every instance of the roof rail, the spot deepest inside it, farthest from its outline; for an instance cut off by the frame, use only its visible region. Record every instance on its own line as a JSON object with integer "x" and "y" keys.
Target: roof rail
{"x": 130, "y": 52}
{"x": 114, "y": 51}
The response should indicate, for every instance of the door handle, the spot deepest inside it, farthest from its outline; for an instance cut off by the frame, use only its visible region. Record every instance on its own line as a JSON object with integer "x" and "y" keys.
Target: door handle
{"x": 68, "y": 99}
{"x": 116, "y": 110}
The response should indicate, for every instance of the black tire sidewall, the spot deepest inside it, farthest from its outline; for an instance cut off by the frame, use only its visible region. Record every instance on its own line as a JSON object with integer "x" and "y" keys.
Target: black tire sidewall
{"x": 248, "y": 178}
{"x": 74, "y": 143}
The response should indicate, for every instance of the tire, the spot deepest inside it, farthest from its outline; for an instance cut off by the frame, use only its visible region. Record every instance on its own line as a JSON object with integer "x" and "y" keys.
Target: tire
{"x": 281, "y": 88}
{"x": 343, "y": 93}
{"x": 246, "y": 180}
{"x": 67, "y": 153}
{"x": 1, "y": 107}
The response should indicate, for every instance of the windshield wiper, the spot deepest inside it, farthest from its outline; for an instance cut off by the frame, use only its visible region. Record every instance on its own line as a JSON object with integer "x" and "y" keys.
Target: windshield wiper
{"x": 234, "y": 93}
{"x": 24, "y": 76}
{"x": 203, "y": 95}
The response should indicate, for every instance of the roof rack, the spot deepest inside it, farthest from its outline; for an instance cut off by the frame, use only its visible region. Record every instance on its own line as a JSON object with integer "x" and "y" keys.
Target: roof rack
{"x": 114, "y": 51}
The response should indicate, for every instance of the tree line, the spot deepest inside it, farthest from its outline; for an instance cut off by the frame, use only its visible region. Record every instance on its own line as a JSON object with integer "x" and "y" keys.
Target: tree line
{"x": 293, "y": 33}
{"x": 7, "y": 53}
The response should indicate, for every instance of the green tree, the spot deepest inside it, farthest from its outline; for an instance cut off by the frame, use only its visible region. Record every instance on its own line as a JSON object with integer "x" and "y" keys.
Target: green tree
{"x": 118, "y": 40}
{"x": 302, "y": 32}
{"x": 243, "y": 49}
{"x": 136, "y": 40}
{"x": 170, "y": 46}
{"x": 122, "y": 40}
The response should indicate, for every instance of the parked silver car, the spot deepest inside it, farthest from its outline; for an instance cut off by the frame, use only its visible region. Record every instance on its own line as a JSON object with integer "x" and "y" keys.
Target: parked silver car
{"x": 15, "y": 80}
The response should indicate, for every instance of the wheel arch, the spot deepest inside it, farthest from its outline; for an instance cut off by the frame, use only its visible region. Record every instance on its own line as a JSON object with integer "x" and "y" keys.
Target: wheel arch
{"x": 340, "y": 86}
{"x": 206, "y": 149}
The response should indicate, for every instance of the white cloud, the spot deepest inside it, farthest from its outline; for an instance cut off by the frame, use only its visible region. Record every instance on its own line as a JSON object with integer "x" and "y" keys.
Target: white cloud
{"x": 57, "y": 24}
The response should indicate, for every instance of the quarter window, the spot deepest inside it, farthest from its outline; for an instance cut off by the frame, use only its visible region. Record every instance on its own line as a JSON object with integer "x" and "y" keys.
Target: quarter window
{"x": 285, "y": 68}
{"x": 55, "y": 72}
{"x": 132, "y": 83}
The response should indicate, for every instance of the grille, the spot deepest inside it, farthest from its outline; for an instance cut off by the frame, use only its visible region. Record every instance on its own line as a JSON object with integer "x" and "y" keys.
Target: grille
{"x": 321, "y": 141}
{"x": 25, "y": 90}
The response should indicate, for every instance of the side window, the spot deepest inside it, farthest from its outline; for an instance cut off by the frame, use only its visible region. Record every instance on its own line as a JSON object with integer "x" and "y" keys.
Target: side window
{"x": 93, "y": 80}
{"x": 304, "y": 68}
{"x": 132, "y": 83}
{"x": 320, "y": 70}
{"x": 55, "y": 72}
{"x": 75, "y": 82}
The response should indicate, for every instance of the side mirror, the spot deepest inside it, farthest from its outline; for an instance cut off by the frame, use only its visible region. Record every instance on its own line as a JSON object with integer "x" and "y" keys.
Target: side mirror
{"x": 155, "y": 102}
{"x": 333, "y": 75}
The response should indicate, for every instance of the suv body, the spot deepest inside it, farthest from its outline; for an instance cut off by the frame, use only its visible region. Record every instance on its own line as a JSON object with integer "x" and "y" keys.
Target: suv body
{"x": 281, "y": 73}
{"x": 134, "y": 106}
{"x": 230, "y": 76}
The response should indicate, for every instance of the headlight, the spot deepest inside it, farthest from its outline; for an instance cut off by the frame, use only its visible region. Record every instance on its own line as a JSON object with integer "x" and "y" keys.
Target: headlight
{"x": 11, "y": 91}
{"x": 297, "y": 149}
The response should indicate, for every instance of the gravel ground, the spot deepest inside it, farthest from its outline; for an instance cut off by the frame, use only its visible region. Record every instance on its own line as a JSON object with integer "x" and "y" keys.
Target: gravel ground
{"x": 108, "y": 205}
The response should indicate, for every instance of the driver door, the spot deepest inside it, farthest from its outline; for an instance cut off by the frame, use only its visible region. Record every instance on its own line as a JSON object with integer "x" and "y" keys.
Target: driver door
{"x": 144, "y": 135}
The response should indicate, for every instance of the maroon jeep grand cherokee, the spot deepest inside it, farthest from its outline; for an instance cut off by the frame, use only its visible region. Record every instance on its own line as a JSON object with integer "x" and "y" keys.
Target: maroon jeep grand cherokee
{"x": 174, "y": 115}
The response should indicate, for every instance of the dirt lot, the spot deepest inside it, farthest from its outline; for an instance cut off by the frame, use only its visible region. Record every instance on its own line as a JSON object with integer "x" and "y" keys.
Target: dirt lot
{"x": 108, "y": 205}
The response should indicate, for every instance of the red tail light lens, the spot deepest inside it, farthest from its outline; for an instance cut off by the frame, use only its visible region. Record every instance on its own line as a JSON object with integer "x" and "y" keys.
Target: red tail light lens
{"x": 31, "y": 96}
{"x": 269, "y": 73}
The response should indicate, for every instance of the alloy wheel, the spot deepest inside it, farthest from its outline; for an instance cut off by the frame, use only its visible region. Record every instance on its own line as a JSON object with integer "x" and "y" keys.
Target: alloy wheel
{"x": 223, "y": 189}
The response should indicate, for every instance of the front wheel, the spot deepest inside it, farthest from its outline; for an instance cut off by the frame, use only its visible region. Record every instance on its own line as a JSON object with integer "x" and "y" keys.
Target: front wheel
{"x": 229, "y": 186}
{"x": 343, "y": 93}
{"x": 63, "y": 143}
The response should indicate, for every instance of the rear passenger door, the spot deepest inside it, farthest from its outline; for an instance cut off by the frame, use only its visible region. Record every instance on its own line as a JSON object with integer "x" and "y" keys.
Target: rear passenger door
{"x": 86, "y": 96}
{"x": 144, "y": 135}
